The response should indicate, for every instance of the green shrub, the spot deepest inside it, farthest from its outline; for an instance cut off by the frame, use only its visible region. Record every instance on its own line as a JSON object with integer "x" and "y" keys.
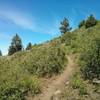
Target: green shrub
{"x": 29, "y": 46}
{"x": 77, "y": 83}
{"x": 0, "y": 53}
{"x": 18, "y": 89}
{"x": 82, "y": 23}
{"x": 82, "y": 90}
{"x": 91, "y": 58}
{"x": 46, "y": 61}
{"x": 67, "y": 38}
{"x": 17, "y": 71}
{"x": 16, "y": 82}
{"x": 16, "y": 45}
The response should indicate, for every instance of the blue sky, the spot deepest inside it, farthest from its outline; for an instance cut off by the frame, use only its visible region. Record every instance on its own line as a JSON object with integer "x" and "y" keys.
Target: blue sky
{"x": 38, "y": 20}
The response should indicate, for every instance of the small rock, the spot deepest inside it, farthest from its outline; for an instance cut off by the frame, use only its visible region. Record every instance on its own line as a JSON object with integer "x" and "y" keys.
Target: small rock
{"x": 58, "y": 92}
{"x": 67, "y": 83}
{"x": 95, "y": 81}
{"x": 56, "y": 95}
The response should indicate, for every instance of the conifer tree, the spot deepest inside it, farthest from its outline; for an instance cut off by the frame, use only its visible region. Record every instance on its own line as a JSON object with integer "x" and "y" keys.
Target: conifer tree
{"x": 29, "y": 46}
{"x": 91, "y": 21}
{"x": 0, "y": 53}
{"x": 65, "y": 27}
{"x": 82, "y": 23}
{"x": 16, "y": 45}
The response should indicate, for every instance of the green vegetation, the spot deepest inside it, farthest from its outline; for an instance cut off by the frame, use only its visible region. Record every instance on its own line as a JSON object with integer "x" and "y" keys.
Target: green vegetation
{"x": 20, "y": 72}
{"x": 67, "y": 38}
{"x": 16, "y": 45}
{"x": 65, "y": 27}
{"x": 29, "y": 46}
{"x": 0, "y": 53}
{"x": 82, "y": 23}
{"x": 91, "y": 58}
{"x": 86, "y": 43}
{"x": 15, "y": 81}
{"x": 91, "y": 21}
{"x": 42, "y": 60}
{"x": 77, "y": 83}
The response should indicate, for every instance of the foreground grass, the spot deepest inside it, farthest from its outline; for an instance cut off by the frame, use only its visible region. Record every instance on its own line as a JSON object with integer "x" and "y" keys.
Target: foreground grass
{"x": 19, "y": 73}
{"x": 79, "y": 89}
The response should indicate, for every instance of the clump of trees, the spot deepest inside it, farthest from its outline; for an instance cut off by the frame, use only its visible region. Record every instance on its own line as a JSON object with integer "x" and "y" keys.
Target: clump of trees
{"x": 16, "y": 45}
{"x": 91, "y": 58}
{"x": 82, "y": 23}
{"x": 65, "y": 27}
{"x": 29, "y": 46}
{"x": 90, "y": 22}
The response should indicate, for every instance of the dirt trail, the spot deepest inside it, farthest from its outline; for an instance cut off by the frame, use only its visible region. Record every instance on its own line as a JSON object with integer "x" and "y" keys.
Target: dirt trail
{"x": 60, "y": 82}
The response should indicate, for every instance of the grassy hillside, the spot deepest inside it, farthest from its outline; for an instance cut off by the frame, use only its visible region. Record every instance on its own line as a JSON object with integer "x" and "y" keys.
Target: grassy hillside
{"x": 83, "y": 42}
{"x": 19, "y": 73}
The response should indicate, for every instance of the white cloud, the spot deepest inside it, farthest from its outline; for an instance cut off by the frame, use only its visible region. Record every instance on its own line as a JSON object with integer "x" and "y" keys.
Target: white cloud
{"x": 30, "y": 23}
{"x": 18, "y": 18}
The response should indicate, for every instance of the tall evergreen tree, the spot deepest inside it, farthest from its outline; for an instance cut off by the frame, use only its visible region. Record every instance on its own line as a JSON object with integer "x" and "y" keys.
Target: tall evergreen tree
{"x": 65, "y": 27}
{"x": 29, "y": 46}
{"x": 0, "y": 53}
{"x": 16, "y": 45}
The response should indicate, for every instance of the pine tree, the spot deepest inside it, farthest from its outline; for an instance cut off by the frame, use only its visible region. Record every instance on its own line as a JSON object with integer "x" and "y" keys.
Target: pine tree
{"x": 0, "y": 53}
{"x": 29, "y": 46}
{"x": 82, "y": 23}
{"x": 65, "y": 27}
{"x": 16, "y": 45}
{"x": 91, "y": 21}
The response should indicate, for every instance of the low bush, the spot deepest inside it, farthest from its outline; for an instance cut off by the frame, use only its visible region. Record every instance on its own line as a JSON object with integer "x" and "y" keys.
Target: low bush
{"x": 67, "y": 38}
{"x": 17, "y": 71}
{"x": 46, "y": 61}
{"x": 83, "y": 90}
{"x": 15, "y": 82}
{"x": 91, "y": 60}
{"x": 77, "y": 83}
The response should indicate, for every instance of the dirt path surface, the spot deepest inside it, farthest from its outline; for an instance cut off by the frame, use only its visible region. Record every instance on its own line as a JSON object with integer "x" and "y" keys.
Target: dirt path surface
{"x": 59, "y": 83}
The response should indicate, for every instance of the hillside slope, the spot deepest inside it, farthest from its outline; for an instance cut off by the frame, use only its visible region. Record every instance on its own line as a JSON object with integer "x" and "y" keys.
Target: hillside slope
{"x": 22, "y": 74}
{"x": 86, "y": 44}
{"x": 59, "y": 83}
